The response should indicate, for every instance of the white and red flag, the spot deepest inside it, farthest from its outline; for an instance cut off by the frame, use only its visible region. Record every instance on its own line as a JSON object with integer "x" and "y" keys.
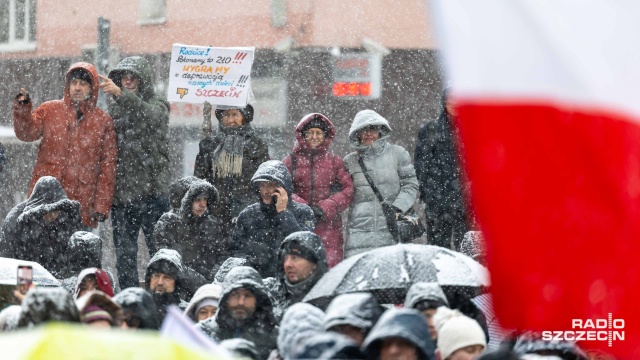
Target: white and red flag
{"x": 548, "y": 95}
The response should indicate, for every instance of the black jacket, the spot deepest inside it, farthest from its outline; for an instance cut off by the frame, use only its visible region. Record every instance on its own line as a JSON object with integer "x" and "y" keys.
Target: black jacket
{"x": 27, "y": 236}
{"x": 197, "y": 239}
{"x": 260, "y": 328}
{"x": 168, "y": 262}
{"x": 260, "y": 229}
{"x": 407, "y": 324}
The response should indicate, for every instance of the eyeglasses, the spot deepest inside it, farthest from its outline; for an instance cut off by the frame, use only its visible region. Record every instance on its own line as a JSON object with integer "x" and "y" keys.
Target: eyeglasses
{"x": 372, "y": 128}
{"x": 311, "y": 133}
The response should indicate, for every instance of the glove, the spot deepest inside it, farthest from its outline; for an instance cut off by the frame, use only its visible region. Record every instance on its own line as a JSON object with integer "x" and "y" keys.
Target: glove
{"x": 317, "y": 211}
{"x": 98, "y": 217}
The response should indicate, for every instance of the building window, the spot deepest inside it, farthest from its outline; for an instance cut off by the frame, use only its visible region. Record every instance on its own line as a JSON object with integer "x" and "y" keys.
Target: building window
{"x": 17, "y": 25}
{"x": 152, "y": 12}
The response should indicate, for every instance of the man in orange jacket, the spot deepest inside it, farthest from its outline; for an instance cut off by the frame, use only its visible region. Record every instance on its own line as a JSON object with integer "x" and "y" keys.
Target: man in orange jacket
{"x": 78, "y": 142}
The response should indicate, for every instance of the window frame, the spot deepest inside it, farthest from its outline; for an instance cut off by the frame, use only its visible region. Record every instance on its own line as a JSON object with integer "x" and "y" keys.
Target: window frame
{"x": 24, "y": 44}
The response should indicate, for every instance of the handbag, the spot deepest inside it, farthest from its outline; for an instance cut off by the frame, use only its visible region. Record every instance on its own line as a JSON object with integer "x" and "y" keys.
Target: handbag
{"x": 403, "y": 227}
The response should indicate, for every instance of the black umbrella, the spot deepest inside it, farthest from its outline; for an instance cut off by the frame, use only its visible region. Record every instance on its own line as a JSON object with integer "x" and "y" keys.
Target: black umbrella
{"x": 389, "y": 272}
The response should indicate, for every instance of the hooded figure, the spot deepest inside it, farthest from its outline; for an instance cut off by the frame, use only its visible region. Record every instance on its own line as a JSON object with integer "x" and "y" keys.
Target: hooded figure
{"x": 300, "y": 322}
{"x": 438, "y": 167}
{"x": 178, "y": 189}
{"x": 196, "y": 236}
{"x": 41, "y": 305}
{"x": 321, "y": 181}
{"x": 261, "y": 228}
{"x": 426, "y": 298}
{"x": 40, "y": 232}
{"x": 77, "y": 147}
{"x": 259, "y": 326}
{"x": 325, "y": 346}
{"x": 141, "y": 194}
{"x": 167, "y": 262}
{"x": 207, "y": 295}
{"x": 228, "y": 160}
{"x": 9, "y": 317}
{"x": 405, "y": 324}
{"x": 240, "y": 349}
{"x": 85, "y": 251}
{"x": 308, "y": 246}
{"x": 348, "y": 312}
{"x": 92, "y": 279}
{"x": 138, "y": 307}
{"x": 390, "y": 169}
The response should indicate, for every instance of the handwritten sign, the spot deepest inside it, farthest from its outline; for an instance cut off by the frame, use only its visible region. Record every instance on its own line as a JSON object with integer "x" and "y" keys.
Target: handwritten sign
{"x": 221, "y": 76}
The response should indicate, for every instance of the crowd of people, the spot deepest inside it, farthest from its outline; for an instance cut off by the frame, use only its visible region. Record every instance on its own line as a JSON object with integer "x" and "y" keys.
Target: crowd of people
{"x": 239, "y": 244}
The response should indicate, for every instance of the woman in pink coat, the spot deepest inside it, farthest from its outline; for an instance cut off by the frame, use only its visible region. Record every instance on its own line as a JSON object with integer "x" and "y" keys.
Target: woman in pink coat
{"x": 321, "y": 181}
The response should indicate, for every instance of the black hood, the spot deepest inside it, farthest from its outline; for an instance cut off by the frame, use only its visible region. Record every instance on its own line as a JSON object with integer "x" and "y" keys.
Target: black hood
{"x": 85, "y": 250}
{"x": 407, "y": 324}
{"x": 178, "y": 189}
{"x": 360, "y": 310}
{"x": 197, "y": 188}
{"x": 47, "y": 304}
{"x": 310, "y": 242}
{"x": 326, "y": 346}
{"x": 140, "y": 303}
{"x": 47, "y": 196}
{"x": 245, "y": 277}
{"x": 276, "y": 171}
{"x": 166, "y": 261}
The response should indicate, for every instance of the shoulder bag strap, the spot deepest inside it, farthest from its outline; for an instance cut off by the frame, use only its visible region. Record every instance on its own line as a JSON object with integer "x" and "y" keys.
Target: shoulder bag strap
{"x": 389, "y": 213}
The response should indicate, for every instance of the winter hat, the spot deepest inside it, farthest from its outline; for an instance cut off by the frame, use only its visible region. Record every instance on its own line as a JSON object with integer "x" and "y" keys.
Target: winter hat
{"x": 295, "y": 248}
{"x": 81, "y": 74}
{"x": 316, "y": 122}
{"x": 456, "y": 331}
{"x": 165, "y": 267}
{"x": 94, "y": 313}
{"x": 246, "y": 111}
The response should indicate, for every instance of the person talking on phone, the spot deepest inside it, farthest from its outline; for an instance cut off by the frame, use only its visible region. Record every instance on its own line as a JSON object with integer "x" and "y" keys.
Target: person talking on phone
{"x": 262, "y": 226}
{"x": 78, "y": 142}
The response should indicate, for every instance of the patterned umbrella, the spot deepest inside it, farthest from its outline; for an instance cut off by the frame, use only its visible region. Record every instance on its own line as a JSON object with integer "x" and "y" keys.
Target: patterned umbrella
{"x": 389, "y": 272}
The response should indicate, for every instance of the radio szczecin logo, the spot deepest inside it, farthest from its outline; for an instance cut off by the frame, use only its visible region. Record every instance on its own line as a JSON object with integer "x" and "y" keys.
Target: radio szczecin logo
{"x": 608, "y": 330}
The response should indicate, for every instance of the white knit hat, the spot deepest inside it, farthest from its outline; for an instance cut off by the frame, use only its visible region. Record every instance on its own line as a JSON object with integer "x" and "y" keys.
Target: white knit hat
{"x": 456, "y": 331}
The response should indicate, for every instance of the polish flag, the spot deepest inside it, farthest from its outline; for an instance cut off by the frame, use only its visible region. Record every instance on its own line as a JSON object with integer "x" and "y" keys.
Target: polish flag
{"x": 548, "y": 97}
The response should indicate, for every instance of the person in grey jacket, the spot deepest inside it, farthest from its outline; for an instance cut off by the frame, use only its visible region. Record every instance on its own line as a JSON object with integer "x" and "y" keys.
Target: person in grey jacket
{"x": 141, "y": 120}
{"x": 391, "y": 170}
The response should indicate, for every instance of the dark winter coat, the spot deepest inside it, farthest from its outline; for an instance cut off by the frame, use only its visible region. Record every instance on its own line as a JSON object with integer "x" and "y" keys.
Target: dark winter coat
{"x": 294, "y": 293}
{"x": 260, "y": 229}
{"x": 300, "y": 322}
{"x": 392, "y": 172}
{"x": 438, "y": 164}
{"x": 360, "y": 310}
{"x": 320, "y": 179}
{"x": 407, "y": 324}
{"x": 81, "y": 154}
{"x": 142, "y": 125}
{"x": 85, "y": 251}
{"x": 325, "y": 346}
{"x": 167, "y": 261}
{"x": 3, "y": 157}
{"x": 236, "y": 192}
{"x": 260, "y": 328}
{"x": 28, "y": 236}
{"x": 47, "y": 304}
{"x": 139, "y": 303}
{"x": 197, "y": 239}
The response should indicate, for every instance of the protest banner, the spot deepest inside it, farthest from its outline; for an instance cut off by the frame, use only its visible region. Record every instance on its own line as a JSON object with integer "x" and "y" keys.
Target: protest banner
{"x": 221, "y": 76}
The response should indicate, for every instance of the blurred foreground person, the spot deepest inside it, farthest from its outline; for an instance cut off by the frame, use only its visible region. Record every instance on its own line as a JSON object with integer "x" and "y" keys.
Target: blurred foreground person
{"x": 164, "y": 280}
{"x": 97, "y": 309}
{"x": 438, "y": 167}
{"x": 192, "y": 231}
{"x": 42, "y": 305}
{"x": 321, "y": 181}
{"x": 459, "y": 336}
{"x": 141, "y": 192}
{"x": 39, "y": 229}
{"x": 78, "y": 142}
{"x": 9, "y": 317}
{"x": 245, "y": 312}
{"x": 262, "y": 226}
{"x": 399, "y": 334}
{"x": 229, "y": 159}
{"x": 389, "y": 168}
{"x": 325, "y": 346}
{"x": 139, "y": 309}
{"x": 300, "y": 322}
{"x": 204, "y": 303}
{"x": 529, "y": 345}
{"x": 352, "y": 315}
{"x": 92, "y": 279}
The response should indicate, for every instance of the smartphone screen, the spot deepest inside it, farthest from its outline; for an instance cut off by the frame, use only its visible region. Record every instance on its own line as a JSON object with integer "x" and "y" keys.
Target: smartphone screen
{"x": 25, "y": 275}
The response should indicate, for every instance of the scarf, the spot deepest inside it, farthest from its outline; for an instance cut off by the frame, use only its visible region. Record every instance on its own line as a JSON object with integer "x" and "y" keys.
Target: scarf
{"x": 227, "y": 157}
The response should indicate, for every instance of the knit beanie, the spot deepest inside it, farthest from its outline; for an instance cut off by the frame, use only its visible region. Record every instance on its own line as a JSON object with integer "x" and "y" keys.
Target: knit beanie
{"x": 246, "y": 111}
{"x": 318, "y": 123}
{"x": 456, "y": 331}
{"x": 94, "y": 313}
{"x": 295, "y": 248}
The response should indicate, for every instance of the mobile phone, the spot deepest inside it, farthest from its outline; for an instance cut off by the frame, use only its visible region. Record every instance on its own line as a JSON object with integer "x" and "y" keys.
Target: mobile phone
{"x": 25, "y": 275}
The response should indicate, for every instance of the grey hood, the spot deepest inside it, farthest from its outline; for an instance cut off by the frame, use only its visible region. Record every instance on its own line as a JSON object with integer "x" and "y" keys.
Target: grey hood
{"x": 360, "y": 310}
{"x": 168, "y": 260}
{"x": 48, "y": 195}
{"x": 423, "y": 291}
{"x": 208, "y": 291}
{"x": 140, "y": 303}
{"x": 300, "y": 322}
{"x": 364, "y": 119}
{"x": 407, "y": 324}
{"x": 140, "y": 68}
{"x": 276, "y": 171}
